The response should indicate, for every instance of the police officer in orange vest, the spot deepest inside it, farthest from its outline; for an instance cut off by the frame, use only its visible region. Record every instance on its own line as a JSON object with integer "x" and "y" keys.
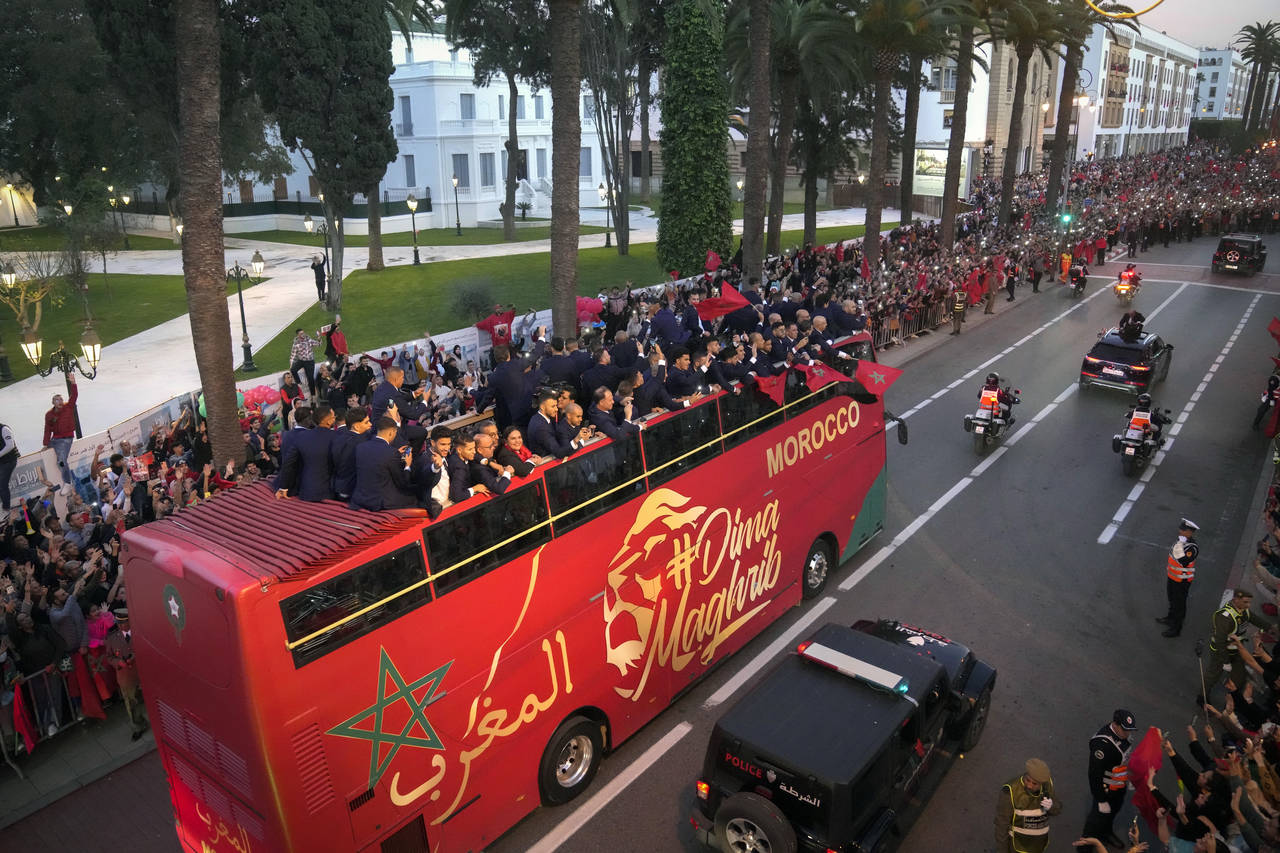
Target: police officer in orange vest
{"x": 1108, "y": 776}
{"x": 1180, "y": 566}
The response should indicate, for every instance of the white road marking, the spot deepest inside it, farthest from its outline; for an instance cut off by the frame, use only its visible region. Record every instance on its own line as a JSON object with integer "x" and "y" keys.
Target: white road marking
{"x": 578, "y": 818}
{"x": 1108, "y": 533}
{"x": 771, "y": 651}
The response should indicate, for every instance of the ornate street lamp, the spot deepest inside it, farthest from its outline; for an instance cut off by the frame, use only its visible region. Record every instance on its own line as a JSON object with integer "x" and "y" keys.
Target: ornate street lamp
{"x": 457, "y": 212}
{"x": 8, "y": 277}
{"x": 239, "y": 274}
{"x": 63, "y": 361}
{"x": 608, "y": 209}
{"x": 321, "y": 228}
{"x": 412, "y": 203}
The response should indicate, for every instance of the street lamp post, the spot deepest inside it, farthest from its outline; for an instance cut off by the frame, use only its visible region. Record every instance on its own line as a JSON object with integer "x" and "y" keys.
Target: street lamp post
{"x": 118, "y": 214}
{"x": 321, "y": 228}
{"x": 8, "y": 276}
{"x": 63, "y": 361}
{"x": 608, "y": 208}
{"x": 239, "y": 273}
{"x": 741, "y": 197}
{"x": 457, "y": 212}
{"x": 412, "y": 203}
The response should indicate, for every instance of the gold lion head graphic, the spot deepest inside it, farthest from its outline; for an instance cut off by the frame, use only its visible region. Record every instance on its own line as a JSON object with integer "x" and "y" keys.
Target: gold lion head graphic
{"x": 628, "y": 608}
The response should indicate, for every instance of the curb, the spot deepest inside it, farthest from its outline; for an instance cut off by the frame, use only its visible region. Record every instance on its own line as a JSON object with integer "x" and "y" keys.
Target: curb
{"x": 143, "y": 747}
{"x": 1242, "y": 562}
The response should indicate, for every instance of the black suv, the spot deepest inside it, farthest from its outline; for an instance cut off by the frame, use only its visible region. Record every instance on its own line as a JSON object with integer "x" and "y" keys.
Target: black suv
{"x": 1131, "y": 362}
{"x": 1240, "y": 253}
{"x": 838, "y": 746}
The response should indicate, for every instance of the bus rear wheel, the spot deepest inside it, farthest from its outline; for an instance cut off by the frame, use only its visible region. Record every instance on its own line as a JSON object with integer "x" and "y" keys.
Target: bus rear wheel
{"x": 817, "y": 568}
{"x": 570, "y": 761}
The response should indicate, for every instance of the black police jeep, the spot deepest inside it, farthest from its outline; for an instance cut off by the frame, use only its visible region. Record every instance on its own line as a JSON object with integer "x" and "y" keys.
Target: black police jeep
{"x": 1240, "y": 253}
{"x": 840, "y": 744}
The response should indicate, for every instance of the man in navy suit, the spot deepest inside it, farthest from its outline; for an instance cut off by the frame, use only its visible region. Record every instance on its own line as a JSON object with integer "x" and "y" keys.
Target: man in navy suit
{"x": 462, "y": 483}
{"x": 665, "y": 329}
{"x": 559, "y": 368}
{"x": 305, "y": 467}
{"x": 542, "y": 436}
{"x": 570, "y": 429}
{"x": 682, "y": 381}
{"x": 408, "y": 406}
{"x": 625, "y": 353}
{"x": 493, "y": 476}
{"x": 691, "y": 321}
{"x": 602, "y": 416}
{"x": 512, "y": 386}
{"x": 382, "y": 472}
{"x": 342, "y": 452}
{"x": 603, "y": 372}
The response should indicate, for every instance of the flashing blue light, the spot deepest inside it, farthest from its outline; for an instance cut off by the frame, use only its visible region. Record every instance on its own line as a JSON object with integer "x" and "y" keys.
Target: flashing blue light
{"x": 903, "y": 687}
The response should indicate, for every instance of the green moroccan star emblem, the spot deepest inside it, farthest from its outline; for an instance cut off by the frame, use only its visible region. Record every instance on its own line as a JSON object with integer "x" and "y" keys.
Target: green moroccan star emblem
{"x": 403, "y": 691}
{"x": 877, "y": 377}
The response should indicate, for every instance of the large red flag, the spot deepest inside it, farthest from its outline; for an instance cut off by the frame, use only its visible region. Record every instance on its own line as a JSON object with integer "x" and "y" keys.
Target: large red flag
{"x": 866, "y": 269}
{"x": 1145, "y": 756}
{"x": 727, "y": 302}
{"x": 818, "y": 374}
{"x": 89, "y": 702}
{"x": 713, "y": 261}
{"x": 876, "y": 378}
{"x": 773, "y": 386}
{"x": 1273, "y": 423}
{"x": 1274, "y": 328}
{"x": 839, "y": 253}
{"x": 22, "y": 718}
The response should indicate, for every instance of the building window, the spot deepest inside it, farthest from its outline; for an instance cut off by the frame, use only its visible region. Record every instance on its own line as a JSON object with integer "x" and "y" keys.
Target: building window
{"x": 1209, "y": 106}
{"x": 537, "y": 107}
{"x": 542, "y": 162}
{"x": 1008, "y": 81}
{"x": 520, "y": 107}
{"x": 1213, "y": 91}
{"x": 742, "y": 160}
{"x": 461, "y": 170}
{"x": 486, "y": 170}
{"x": 947, "y": 116}
{"x": 406, "y": 117}
{"x": 636, "y": 161}
{"x": 410, "y": 174}
{"x": 584, "y": 162}
{"x": 468, "y": 105}
{"x": 313, "y": 186}
{"x": 502, "y": 106}
{"x": 280, "y": 189}
{"x": 588, "y": 108}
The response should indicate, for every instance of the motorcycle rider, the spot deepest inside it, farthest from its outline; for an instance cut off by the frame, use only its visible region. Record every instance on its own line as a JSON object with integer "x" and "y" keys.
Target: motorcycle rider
{"x": 1143, "y": 416}
{"x": 993, "y": 395}
{"x": 1269, "y": 398}
{"x": 1131, "y": 324}
{"x": 1079, "y": 274}
{"x": 1131, "y": 273}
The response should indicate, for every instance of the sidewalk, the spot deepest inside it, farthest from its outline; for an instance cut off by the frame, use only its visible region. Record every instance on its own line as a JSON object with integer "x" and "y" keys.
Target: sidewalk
{"x": 158, "y": 364}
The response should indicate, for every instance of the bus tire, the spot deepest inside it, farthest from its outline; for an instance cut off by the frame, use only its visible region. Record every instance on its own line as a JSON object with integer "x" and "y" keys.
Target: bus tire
{"x": 749, "y": 819}
{"x": 818, "y": 566}
{"x": 570, "y": 761}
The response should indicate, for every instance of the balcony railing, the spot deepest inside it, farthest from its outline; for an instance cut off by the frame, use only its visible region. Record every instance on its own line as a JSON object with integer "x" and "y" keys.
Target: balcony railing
{"x": 947, "y": 96}
{"x": 404, "y": 128}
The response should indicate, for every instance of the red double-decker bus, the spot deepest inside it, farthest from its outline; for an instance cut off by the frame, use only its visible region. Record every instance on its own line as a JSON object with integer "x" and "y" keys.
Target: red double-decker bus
{"x": 327, "y": 679}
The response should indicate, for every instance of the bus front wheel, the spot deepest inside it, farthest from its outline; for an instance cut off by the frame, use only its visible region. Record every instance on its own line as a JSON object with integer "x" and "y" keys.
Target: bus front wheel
{"x": 570, "y": 761}
{"x": 817, "y": 567}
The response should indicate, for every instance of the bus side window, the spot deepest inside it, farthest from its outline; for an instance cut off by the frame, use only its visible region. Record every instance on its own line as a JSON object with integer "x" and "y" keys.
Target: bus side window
{"x": 593, "y": 481}
{"x": 495, "y": 531}
{"x": 746, "y": 415}
{"x": 327, "y": 603}
{"x": 681, "y": 442}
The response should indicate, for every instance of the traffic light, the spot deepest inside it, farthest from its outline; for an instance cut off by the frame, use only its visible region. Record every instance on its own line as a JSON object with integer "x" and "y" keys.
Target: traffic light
{"x": 1066, "y": 219}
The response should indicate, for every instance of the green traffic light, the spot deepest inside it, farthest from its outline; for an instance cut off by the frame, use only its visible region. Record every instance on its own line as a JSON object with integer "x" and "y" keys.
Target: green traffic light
{"x": 1066, "y": 217}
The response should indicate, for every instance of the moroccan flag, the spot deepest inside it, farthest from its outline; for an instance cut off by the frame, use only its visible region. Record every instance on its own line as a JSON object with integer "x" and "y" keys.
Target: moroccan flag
{"x": 1273, "y": 423}
{"x": 773, "y": 386}
{"x": 866, "y": 269}
{"x": 876, "y": 378}
{"x": 818, "y": 374}
{"x": 839, "y": 253}
{"x": 922, "y": 281}
{"x": 1145, "y": 756}
{"x": 727, "y": 302}
{"x": 1274, "y": 328}
{"x": 22, "y": 721}
{"x": 89, "y": 702}
{"x": 713, "y": 261}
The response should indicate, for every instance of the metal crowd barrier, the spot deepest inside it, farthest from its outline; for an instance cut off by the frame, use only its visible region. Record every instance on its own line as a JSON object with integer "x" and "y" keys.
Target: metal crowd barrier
{"x": 933, "y": 316}
{"x": 47, "y": 705}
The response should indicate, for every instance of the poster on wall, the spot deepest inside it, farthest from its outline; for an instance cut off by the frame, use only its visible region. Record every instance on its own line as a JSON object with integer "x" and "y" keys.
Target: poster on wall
{"x": 931, "y": 169}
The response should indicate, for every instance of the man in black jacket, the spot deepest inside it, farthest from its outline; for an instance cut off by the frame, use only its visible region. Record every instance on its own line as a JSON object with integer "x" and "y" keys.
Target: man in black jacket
{"x": 342, "y": 452}
{"x": 306, "y": 469}
{"x": 382, "y": 472}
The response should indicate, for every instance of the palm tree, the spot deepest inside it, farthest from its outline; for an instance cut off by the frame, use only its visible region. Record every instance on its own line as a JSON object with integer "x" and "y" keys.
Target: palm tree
{"x": 1259, "y": 44}
{"x": 810, "y": 45}
{"x": 566, "y": 138}
{"x": 1031, "y": 27}
{"x": 1075, "y": 21}
{"x": 759, "y": 101}
{"x": 890, "y": 29}
{"x": 973, "y": 25}
{"x": 199, "y": 148}
{"x": 933, "y": 42}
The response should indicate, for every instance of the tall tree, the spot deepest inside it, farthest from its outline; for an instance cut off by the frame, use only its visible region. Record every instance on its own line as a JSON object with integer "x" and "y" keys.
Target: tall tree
{"x": 973, "y": 22}
{"x": 565, "y": 29}
{"x": 323, "y": 69}
{"x": 694, "y": 138}
{"x": 910, "y": 122}
{"x": 830, "y": 121}
{"x": 506, "y": 38}
{"x": 1259, "y": 45}
{"x": 647, "y": 37}
{"x": 759, "y": 105}
{"x": 609, "y": 67}
{"x": 1031, "y": 26}
{"x": 198, "y": 81}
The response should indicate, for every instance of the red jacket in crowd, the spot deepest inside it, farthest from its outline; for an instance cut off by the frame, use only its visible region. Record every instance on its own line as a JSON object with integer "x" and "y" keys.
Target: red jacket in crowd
{"x": 61, "y": 423}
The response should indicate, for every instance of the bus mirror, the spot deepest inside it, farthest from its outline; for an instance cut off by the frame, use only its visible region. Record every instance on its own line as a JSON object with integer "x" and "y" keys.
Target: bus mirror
{"x": 902, "y": 432}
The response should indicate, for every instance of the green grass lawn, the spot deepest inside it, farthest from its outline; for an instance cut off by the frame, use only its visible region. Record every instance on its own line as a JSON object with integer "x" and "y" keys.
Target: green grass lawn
{"x": 401, "y": 302}
{"x": 788, "y": 207}
{"x": 426, "y": 236}
{"x": 42, "y": 238}
{"x": 135, "y": 303}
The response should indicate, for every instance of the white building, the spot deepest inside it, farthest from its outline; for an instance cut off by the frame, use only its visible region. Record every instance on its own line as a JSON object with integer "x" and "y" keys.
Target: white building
{"x": 1223, "y": 84}
{"x": 445, "y": 127}
{"x": 1138, "y": 91}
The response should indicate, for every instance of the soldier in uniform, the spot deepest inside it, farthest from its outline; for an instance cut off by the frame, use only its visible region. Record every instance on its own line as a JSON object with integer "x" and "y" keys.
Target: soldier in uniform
{"x": 959, "y": 301}
{"x": 1226, "y": 652}
{"x": 1108, "y": 776}
{"x": 120, "y": 655}
{"x": 1023, "y": 808}
{"x": 1180, "y": 566}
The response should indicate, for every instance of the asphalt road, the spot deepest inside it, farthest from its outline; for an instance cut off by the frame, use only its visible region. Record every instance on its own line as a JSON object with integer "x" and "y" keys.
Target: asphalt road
{"x": 1003, "y": 554}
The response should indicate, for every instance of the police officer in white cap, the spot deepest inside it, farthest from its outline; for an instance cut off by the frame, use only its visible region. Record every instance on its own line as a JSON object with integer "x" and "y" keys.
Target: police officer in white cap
{"x": 1180, "y": 566}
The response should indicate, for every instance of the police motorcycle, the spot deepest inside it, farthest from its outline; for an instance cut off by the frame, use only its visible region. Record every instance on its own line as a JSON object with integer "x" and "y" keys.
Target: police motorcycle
{"x": 1076, "y": 278}
{"x": 989, "y": 423}
{"x": 1127, "y": 285}
{"x": 1141, "y": 437}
